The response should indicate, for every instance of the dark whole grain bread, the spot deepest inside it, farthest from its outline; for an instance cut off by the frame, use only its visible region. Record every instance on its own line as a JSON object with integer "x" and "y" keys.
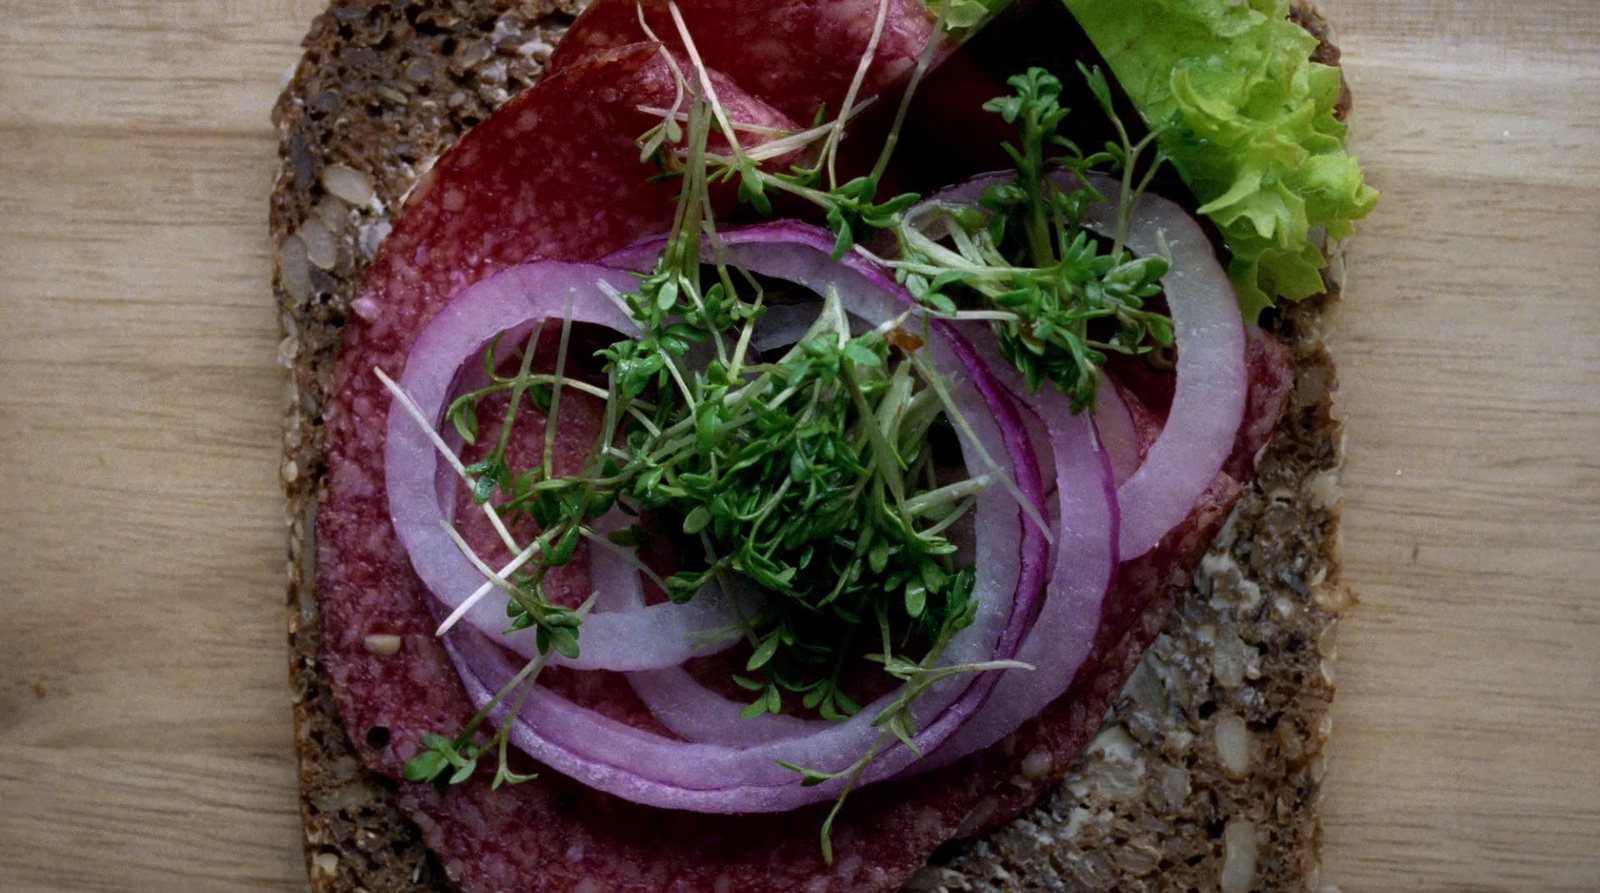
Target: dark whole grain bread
{"x": 1207, "y": 773}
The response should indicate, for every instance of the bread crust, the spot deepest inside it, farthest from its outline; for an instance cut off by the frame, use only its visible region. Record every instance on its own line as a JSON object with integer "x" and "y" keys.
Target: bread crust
{"x": 1214, "y": 748}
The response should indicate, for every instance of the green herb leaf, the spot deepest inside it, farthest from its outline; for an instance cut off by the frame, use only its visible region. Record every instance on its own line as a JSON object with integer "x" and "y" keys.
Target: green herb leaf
{"x": 504, "y": 775}
{"x": 861, "y": 354}
{"x": 425, "y": 766}
{"x": 763, "y": 652}
{"x": 916, "y": 598}
{"x": 466, "y": 421}
{"x": 696, "y": 520}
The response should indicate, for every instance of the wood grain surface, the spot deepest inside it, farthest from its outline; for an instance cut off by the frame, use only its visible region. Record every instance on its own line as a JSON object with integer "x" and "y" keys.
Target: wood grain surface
{"x": 145, "y": 740}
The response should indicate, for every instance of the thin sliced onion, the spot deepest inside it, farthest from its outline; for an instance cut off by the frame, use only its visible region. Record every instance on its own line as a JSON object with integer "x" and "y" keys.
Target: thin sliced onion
{"x": 702, "y": 716}
{"x": 652, "y": 769}
{"x": 1212, "y": 382}
{"x": 682, "y": 704}
{"x": 1084, "y": 563}
{"x": 648, "y": 638}
{"x": 1116, "y": 432}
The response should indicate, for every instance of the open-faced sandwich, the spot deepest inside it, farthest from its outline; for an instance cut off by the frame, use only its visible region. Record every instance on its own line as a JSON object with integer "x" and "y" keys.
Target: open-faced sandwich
{"x": 812, "y": 445}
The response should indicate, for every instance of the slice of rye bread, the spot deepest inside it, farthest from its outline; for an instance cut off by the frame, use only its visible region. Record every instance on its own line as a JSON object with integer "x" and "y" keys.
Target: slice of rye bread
{"x": 1209, "y": 769}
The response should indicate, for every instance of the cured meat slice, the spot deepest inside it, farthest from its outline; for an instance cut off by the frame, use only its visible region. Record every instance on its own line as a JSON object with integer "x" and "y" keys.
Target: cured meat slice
{"x": 798, "y": 57}
{"x": 1270, "y": 366}
{"x": 556, "y": 173}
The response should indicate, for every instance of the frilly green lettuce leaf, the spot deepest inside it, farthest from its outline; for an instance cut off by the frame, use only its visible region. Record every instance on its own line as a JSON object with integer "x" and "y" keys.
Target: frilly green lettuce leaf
{"x": 1251, "y": 128}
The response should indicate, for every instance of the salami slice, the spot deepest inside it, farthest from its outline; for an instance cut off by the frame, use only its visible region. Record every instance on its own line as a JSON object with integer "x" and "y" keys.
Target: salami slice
{"x": 798, "y": 57}
{"x": 1271, "y": 370}
{"x": 556, "y": 173}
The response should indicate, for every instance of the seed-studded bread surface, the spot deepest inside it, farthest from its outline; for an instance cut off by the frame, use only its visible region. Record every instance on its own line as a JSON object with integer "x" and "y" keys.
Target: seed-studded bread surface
{"x": 1208, "y": 771}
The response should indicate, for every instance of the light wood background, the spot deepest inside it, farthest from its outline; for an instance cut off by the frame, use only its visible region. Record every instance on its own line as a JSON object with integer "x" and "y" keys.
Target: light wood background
{"x": 144, "y": 719}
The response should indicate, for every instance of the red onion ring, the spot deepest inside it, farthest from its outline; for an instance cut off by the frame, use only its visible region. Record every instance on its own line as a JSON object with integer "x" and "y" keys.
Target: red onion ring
{"x": 689, "y": 709}
{"x": 1115, "y": 430}
{"x": 701, "y": 716}
{"x": 648, "y": 768}
{"x": 1212, "y": 382}
{"x": 649, "y": 638}
{"x": 1084, "y": 564}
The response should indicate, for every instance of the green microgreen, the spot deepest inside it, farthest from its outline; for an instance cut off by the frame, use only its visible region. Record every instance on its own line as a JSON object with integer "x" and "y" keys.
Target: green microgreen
{"x": 445, "y": 761}
{"x": 897, "y": 720}
{"x": 1060, "y": 299}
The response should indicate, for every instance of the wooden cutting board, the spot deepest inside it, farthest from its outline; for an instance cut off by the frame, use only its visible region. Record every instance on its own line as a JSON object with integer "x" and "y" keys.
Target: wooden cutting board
{"x": 145, "y": 739}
